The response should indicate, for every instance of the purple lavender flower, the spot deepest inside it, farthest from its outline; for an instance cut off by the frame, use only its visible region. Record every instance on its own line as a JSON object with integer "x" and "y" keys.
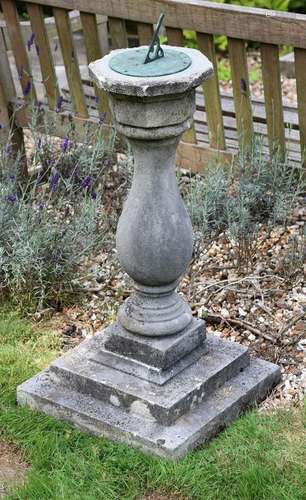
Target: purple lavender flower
{"x": 20, "y": 71}
{"x": 12, "y": 177}
{"x": 54, "y": 181}
{"x": 2, "y": 126}
{"x": 11, "y": 198}
{"x": 59, "y": 103}
{"x": 8, "y": 150}
{"x": 40, "y": 205}
{"x": 86, "y": 182}
{"x": 50, "y": 162}
{"x": 102, "y": 117}
{"x": 65, "y": 145}
{"x": 27, "y": 88}
{"x": 38, "y": 178}
{"x": 40, "y": 107}
{"x": 94, "y": 195}
{"x": 108, "y": 163}
{"x": 30, "y": 41}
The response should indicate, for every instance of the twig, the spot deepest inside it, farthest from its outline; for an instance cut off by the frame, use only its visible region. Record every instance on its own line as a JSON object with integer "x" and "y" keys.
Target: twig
{"x": 90, "y": 290}
{"x": 217, "y": 318}
{"x": 291, "y": 323}
{"x": 226, "y": 283}
{"x": 267, "y": 310}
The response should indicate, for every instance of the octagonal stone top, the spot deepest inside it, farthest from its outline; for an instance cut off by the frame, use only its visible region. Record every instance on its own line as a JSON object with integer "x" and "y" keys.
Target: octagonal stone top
{"x": 111, "y": 81}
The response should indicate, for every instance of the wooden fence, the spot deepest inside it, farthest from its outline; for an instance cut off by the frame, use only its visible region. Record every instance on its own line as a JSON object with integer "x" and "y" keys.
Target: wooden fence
{"x": 219, "y": 121}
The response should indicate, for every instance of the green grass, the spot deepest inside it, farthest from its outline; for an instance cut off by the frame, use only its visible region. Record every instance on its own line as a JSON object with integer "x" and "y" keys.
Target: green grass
{"x": 260, "y": 456}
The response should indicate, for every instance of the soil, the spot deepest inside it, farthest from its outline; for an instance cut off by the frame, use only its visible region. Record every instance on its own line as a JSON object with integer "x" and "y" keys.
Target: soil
{"x": 12, "y": 467}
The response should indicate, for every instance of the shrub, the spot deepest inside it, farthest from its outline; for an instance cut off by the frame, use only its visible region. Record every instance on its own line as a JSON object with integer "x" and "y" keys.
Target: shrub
{"x": 53, "y": 221}
{"x": 237, "y": 200}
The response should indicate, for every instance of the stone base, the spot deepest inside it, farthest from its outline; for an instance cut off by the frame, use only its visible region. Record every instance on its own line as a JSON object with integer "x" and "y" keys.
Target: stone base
{"x": 155, "y": 359}
{"x": 167, "y": 420}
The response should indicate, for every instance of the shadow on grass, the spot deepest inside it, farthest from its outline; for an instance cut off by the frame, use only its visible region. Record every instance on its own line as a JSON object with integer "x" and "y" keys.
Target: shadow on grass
{"x": 260, "y": 456}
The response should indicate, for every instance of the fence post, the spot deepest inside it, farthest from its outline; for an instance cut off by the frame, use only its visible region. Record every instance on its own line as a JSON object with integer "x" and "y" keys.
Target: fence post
{"x": 7, "y": 96}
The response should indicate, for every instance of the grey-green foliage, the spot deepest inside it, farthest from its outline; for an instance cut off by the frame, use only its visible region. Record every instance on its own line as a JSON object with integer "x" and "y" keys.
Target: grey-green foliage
{"x": 78, "y": 161}
{"x": 205, "y": 200}
{"x": 41, "y": 253}
{"x": 51, "y": 222}
{"x": 237, "y": 200}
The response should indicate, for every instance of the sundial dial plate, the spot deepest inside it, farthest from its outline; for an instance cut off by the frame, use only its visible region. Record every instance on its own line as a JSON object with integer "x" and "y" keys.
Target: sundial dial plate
{"x": 131, "y": 63}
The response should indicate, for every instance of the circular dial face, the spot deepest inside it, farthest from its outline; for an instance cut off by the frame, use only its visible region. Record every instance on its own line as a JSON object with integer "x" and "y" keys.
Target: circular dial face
{"x": 130, "y": 62}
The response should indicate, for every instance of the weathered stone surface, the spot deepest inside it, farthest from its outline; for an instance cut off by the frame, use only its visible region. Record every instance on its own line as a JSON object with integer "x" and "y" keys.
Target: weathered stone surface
{"x": 157, "y": 247}
{"x": 158, "y": 352}
{"x": 113, "y": 82}
{"x": 163, "y": 403}
{"x": 154, "y": 234}
{"x": 152, "y": 112}
{"x": 145, "y": 372}
{"x": 137, "y": 427}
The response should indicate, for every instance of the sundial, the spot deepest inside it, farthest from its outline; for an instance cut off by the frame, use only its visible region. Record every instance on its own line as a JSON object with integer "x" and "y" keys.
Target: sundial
{"x": 155, "y": 60}
{"x": 153, "y": 378}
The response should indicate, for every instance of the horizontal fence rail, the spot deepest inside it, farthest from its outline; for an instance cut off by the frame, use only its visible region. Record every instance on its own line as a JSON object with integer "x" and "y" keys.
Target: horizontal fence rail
{"x": 222, "y": 122}
{"x": 257, "y": 25}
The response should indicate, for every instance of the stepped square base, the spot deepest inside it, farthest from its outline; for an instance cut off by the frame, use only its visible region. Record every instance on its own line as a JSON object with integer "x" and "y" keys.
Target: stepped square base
{"x": 153, "y": 359}
{"x": 97, "y": 391}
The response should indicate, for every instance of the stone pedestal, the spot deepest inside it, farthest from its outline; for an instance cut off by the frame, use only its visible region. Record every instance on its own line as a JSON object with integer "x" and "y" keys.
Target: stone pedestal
{"x": 153, "y": 379}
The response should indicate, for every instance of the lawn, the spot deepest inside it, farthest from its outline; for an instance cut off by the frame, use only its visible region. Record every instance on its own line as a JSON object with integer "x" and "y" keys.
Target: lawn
{"x": 261, "y": 456}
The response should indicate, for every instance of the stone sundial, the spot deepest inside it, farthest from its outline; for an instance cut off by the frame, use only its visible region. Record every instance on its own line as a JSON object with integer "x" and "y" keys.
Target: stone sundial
{"x": 153, "y": 379}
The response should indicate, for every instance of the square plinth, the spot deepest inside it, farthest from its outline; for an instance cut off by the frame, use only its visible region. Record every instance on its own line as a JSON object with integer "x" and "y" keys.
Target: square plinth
{"x": 158, "y": 352}
{"x": 154, "y": 359}
{"x": 167, "y": 420}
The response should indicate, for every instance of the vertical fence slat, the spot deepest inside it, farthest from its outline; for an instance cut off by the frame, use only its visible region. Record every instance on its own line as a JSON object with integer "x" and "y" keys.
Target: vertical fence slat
{"x": 71, "y": 61}
{"x": 102, "y": 33}
{"x": 273, "y": 97}
{"x": 4, "y": 115}
{"x": 6, "y": 77}
{"x": 300, "y": 73}
{"x": 12, "y": 132}
{"x": 145, "y": 33}
{"x": 93, "y": 52}
{"x": 8, "y": 94}
{"x": 44, "y": 52}
{"x": 211, "y": 92}
{"x": 20, "y": 54}
{"x": 241, "y": 90}
{"x": 118, "y": 34}
{"x": 176, "y": 38}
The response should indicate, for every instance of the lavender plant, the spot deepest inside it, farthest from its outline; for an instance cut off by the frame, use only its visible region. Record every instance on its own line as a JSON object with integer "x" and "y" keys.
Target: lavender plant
{"x": 254, "y": 191}
{"x": 50, "y": 224}
{"x": 74, "y": 162}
